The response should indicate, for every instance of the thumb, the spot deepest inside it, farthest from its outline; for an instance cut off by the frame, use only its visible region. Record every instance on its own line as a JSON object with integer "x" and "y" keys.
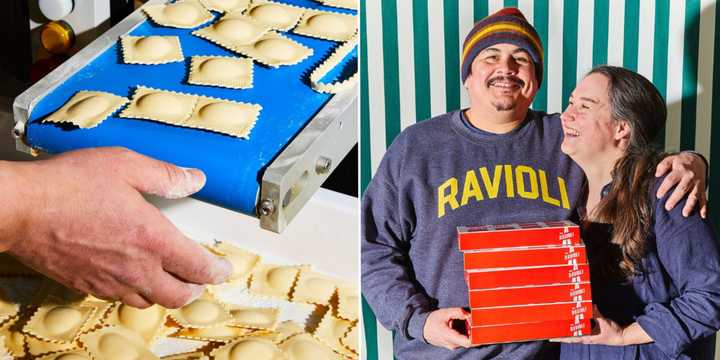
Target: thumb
{"x": 457, "y": 313}
{"x": 160, "y": 178}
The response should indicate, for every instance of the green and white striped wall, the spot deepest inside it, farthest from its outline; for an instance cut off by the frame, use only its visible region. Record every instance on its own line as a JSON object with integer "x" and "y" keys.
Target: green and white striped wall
{"x": 410, "y": 53}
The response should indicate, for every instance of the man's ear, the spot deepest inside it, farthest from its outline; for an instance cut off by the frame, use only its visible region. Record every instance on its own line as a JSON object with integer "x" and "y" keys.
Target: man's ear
{"x": 622, "y": 130}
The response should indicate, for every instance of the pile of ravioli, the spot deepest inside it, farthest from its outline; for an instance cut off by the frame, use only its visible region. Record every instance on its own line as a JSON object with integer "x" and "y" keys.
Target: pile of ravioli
{"x": 55, "y": 323}
{"x": 250, "y": 29}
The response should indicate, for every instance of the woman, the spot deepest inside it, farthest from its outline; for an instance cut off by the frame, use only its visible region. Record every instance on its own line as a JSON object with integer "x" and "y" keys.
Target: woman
{"x": 655, "y": 274}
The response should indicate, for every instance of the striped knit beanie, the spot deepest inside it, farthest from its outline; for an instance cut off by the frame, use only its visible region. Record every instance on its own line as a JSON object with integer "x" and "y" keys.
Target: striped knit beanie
{"x": 505, "y": 26}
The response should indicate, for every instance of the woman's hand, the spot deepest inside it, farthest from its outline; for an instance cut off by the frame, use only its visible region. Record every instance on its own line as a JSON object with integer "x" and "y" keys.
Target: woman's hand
{"x": 608, "y": 332}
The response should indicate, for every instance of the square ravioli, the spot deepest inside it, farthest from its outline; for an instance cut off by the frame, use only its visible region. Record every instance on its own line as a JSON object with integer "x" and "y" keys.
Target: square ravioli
{"x": 331, "y": 330}
{"x": 151, "y": 50}
{"x": 114, "y": 342}
{"x": 305, "y": 347}
{"x": 281, "y": 17}
{"x": 58, "y": 322}
{"x": 273, "y": 280}
{"x": 251, "y": 347}
{"x": 224, "y": 116}
{"x": 233, "y": 30}
{"x": 327, "y": 25}
{"x": 243, "y": 261}
{"x": 160, "y": 105}
{"x": 183, "y": 14}
{"x": 222, "y": 71}
{"x": 87, "y": 109}
{"x": 218, "y": 333}
{"x": 348, "y": 302}
{"x": 205, "y": 311}
{"x": 273, "y": 49}
{"x": 37, "y": 347}
{"x": 254, "y": 318}
{"x": 145, "y": 322}
{"x": 314, "y": 288}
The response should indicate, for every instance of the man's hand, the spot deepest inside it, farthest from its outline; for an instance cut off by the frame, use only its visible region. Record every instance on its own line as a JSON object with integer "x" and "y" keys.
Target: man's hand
{"x": 687, "y": 171}
{"x": 438, "y": 329}
{"x": 80, "y": 219}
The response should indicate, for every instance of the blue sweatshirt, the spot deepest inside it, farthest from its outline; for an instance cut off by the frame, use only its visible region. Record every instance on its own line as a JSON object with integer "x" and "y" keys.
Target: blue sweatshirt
{"x": 675, "y": 298}
{"x": 437, "y": 175}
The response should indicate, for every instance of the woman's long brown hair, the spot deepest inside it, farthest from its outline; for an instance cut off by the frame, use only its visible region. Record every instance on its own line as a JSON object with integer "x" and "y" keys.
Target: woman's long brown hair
{"x": 626, "y": 206}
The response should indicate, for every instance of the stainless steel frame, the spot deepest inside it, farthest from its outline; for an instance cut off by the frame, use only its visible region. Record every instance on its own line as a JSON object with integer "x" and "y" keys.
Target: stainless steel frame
{"x": 306, "y": 162}
{"x": 287, "y": 183}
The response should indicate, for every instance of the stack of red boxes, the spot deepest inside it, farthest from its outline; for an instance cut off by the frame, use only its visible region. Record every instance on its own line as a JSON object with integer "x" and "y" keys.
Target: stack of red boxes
{"x": 526, "y": 281}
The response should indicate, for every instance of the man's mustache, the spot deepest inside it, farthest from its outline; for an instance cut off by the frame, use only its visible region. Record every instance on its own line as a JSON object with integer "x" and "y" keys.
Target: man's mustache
{"x": 512, "y": 79}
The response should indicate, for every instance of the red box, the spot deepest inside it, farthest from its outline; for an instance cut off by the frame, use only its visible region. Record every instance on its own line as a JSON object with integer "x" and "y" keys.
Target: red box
{"x": 528, "y": 331}
{"x": 531, "y": 313}
{"x": 539, "y": 275}
{"x": 502, "y": 258}
{"x": 530, "y": 295}
{"x": 518, "y": 235}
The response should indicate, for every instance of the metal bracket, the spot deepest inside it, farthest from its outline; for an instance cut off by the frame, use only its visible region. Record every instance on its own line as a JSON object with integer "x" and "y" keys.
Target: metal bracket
{"x": 292, "y": 178}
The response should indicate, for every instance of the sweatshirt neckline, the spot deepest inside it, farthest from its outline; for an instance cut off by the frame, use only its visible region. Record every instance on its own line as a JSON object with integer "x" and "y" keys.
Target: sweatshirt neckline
{"x": 461, "y": 124}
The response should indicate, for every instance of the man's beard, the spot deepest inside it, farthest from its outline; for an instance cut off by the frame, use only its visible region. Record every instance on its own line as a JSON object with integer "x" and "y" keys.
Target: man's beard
{"x": 504, "y": 105}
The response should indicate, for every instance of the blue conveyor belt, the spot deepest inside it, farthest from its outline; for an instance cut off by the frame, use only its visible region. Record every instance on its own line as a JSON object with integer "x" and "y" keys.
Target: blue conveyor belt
{"x": 233, "y": 166}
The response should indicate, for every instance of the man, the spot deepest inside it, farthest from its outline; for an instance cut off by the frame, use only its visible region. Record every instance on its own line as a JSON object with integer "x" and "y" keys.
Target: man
{"x": 496, "y": 162}
{"x": 80, "y": 219}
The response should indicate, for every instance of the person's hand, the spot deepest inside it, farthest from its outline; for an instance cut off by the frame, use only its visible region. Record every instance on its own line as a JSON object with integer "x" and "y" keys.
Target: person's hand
{"x": 687, "y": 171}
{"x": 605, "y": 332}
{"x": 80, "y": 218}
{"x": 438, "y": 329}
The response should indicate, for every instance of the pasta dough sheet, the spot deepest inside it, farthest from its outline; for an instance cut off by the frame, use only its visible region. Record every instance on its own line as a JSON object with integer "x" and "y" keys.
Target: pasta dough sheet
{"x": 326, "y": 66}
